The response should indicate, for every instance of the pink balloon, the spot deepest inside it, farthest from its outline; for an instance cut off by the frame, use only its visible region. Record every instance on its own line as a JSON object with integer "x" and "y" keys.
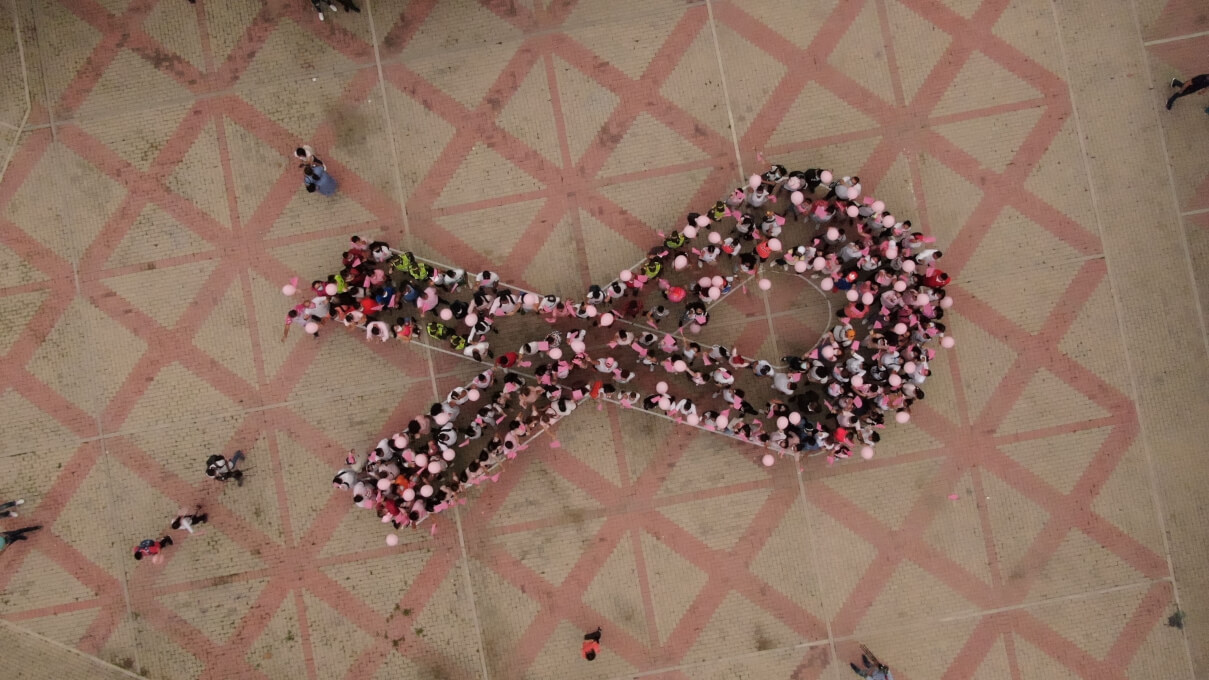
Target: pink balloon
{"x": 852, "y": 211}
{"x": 715, "y": 292}
{"x": 448, "y": 455}
{"x": 867, "y": 298}
{"x": 383, "y": 484}
{"x": 471, "y": 319}
{"x": 895, "y": 381}
{"x": 715, "y": 237}
{"x": 555, "y": 353}
{"x": 888, "y": 221}
{"x": 531, "y": 299}
{"x": 435, "y": 466}
{"x": 909, "y": 367}
{"x": 878, "y": 206}
{"x": 833, "y": 234}
{"x": 661, "y": 387}
{"x": 852, "y": 295}
{"x": 441, "y": 418}
{"x": 946, "y": 302}
{"x": 754, "y": 181}
{"x": 392, "y": 540}
{"x": 313, "y": 328}
{"x": 717, "y": 281}
{"x": 626, "y": 275}
{"x": 288, "y": 290}
{"x": 606, "y": 319}
{"x": 680, "y": 366}
{"x": 902, "y": 417}
{"x": 947, "y": 342}
{"x": 578, "y": 347}
{"x": 722, "y": 421}
{"x": 892, "y": 251}
{"x": 590, "y": 311}
{"x": 774, "y": 244}
{"x": 909, "y": 266}
{"x": 426, "y": 490}
{"x": 867, "y": 452}
{"x": 900, "y": 285}
{"x": 690, "y": 232}
{"x": 782, "y": 423}
{"x": 446, "y": 314}
{"x": 473, "y": 395}
{"x": 795, "y": 417}
{"x": 422, "y": 459}
{"x": 330, "y": 289}
{"x": 768, "y": 460}
{"x": 702, "y": 221}
{"x": 704, "y": 282}
{"x": 900, "y": 328}
{"x": 826, "y": 284}
{"x": 694, "y": 328}
{"x": 800, "y": 266}
{"x": 828, "y": 352}
{"x": 765, "y": 284}
{"x": 826, "y": 176}
{"x": 797, "y": 198}
{"x": 818, "y": 263}
{"x": 692, "y": 419}
{"x": 409, "y": 494}
{"x": 857, "y": 381}
{"x": 665, "y": 403}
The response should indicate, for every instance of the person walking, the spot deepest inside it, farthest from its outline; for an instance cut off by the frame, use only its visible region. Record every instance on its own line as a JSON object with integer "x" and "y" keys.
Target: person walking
{"x": 187, "y": 521}
{"x": 4, "y": 507}
{"x": 348, "y": 7}
{"x": 305, "y": 156}
{"x": 873, "y": 668}
{"x": 591, "y": 645}
{"x": 221, "y": 469}
{"x": 7, "y": 538}
{"x": 315, "y": 178}
{"x": 152, "y": 547}
{"x": 1196, "y": 84}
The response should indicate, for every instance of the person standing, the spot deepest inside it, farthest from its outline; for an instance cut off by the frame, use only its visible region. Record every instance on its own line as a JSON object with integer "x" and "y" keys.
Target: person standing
{"x": 1196, "y": 84}
{"x": 7, "y": 538}
{"x": 315, "y": 178}
{"x": 348, "y": 7}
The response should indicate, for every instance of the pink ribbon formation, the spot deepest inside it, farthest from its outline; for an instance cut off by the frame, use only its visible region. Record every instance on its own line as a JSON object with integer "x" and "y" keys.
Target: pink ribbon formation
{"x": 631, "y": 342}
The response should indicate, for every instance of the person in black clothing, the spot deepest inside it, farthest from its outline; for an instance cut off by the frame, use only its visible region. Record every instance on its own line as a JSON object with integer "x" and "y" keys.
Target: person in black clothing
{"x": 348, "y": 6}
{"x": 1197, "y": 84}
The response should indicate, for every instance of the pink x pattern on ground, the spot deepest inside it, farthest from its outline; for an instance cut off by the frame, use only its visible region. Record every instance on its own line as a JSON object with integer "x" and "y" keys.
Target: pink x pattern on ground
{"x": 149, "y": 208}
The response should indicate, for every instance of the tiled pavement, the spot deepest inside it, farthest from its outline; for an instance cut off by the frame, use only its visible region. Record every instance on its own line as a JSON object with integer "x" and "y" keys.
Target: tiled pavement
{"x": 149, "y": 213}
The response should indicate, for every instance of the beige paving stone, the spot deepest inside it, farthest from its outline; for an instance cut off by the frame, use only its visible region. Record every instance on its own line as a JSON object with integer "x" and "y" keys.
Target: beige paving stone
{"x": 645, "y": 145}
{"x": 12, "y": 83}
{"x": 1167, "y": 382}
{"x": 486, "y": 168}
{"x": 1185, "y": 121}
{"x": 26, "y": 652}
{"x": 751, "y": 76}
{"x": 898, "y": 488}
{"x": 529, "y": 114}
{"x": 449, "y": 27}
{"x": 738, "y": 627}
{"x": 982, "y": 83}
{"x": 1049, "y": 285}
{"x": 918, "y": 46}
{"x": 818, "y": 113}
{"x": 216, "y": 610}
{"x": 861, "y": 54}
{"x": 1060, "y": 179}
{"x": 695, "y": 84}
{"x": 927, "y": 650}
{"x": 277, "y": 652}
{"x": 291, "y": 50}
{"x": 1028, "y": 25}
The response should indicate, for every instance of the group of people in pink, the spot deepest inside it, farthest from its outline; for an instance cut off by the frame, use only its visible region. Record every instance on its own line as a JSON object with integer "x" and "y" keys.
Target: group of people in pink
{"x": 631, "y": 341}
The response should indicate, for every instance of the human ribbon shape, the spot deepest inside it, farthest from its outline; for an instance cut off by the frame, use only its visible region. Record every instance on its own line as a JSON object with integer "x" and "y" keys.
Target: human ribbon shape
{"x": 624, "y": 341}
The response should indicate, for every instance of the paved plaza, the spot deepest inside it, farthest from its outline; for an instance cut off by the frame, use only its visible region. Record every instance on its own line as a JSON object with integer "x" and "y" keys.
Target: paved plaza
{"x": 1041, "y": 516}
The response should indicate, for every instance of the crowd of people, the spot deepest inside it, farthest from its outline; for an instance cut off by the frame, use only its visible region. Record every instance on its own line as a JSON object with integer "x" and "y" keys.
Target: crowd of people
{"x": 640, "y": 328}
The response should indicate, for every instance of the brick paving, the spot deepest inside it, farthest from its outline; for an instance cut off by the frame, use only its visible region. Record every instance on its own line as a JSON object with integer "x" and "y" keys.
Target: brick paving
{"x": 149, "y": 213}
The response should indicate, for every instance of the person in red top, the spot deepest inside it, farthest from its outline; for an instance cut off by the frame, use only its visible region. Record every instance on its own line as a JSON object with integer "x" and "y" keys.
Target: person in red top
{"x": 507, "y": 360}
{"x": 591, "y": 644}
